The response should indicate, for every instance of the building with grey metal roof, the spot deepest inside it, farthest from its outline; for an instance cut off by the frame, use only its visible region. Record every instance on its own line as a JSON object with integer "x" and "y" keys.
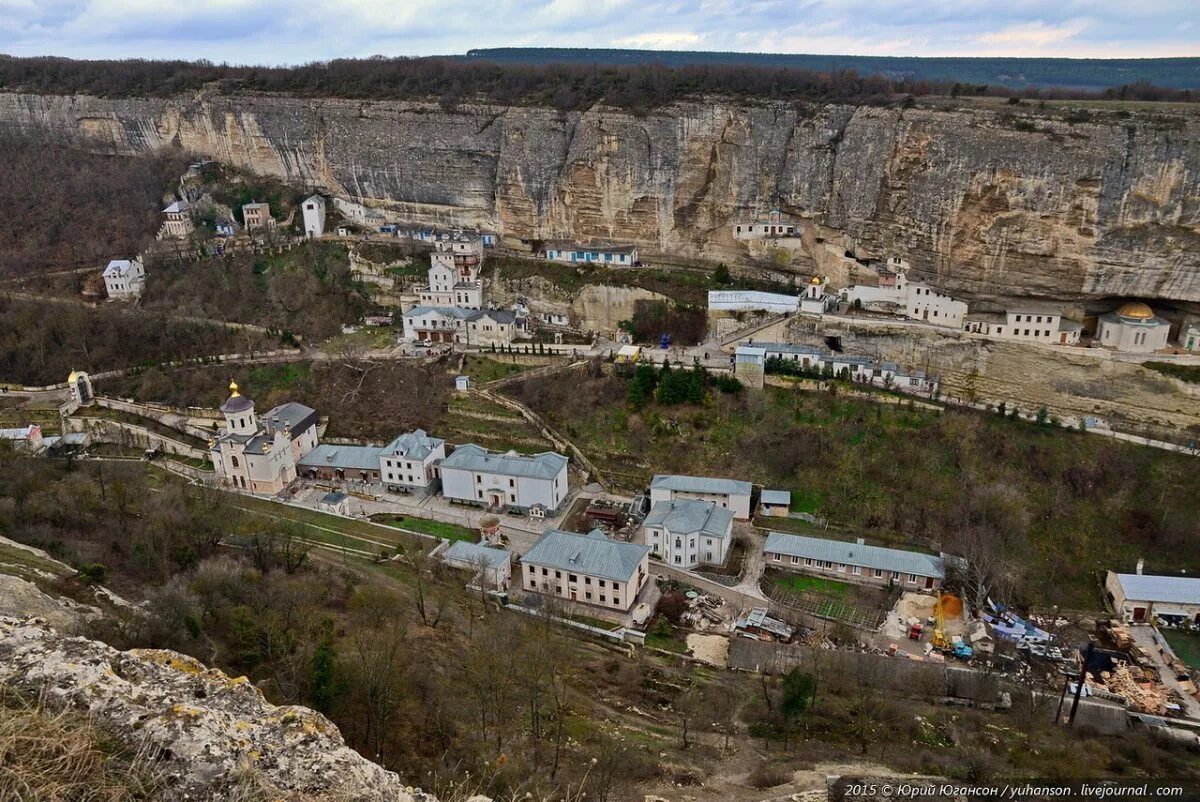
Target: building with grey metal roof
{"x": 590, "y": 569}
{"x": 339, "y": 462}
{"x": 686, "y": 533}
{"x": 854, "y": 561}
{"x": 494, "y": 563}
{"x": 1143, "y": 598}
{"x": 729, "y": 493}
{"x": 474, "y": 475}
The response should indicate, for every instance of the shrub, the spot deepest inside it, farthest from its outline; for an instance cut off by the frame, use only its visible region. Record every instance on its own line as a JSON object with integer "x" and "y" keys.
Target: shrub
{"x": 768, "y": 775}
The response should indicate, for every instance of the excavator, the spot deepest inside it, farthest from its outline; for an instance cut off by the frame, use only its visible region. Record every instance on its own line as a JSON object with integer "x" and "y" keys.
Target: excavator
{"x": 939, "y": 640}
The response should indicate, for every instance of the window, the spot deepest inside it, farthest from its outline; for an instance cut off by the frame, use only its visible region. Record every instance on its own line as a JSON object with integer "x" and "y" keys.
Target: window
{"x": 601, "y": 583}
{"x": 558, "y": 574}
{"x": 234, "y": 461}
{"x": 856, "y": 569}
{"x": 878, "y": 573}
{"x": 532, "y": 583}
{"x": 478, "y": 480}
{"x": 588, "y": 595}
{"x": 777, "y": 557}
{"x": 545, "y": 572}
{"x": 587, "y": 580}
{"x": 572, "y": 578}
{"x": 912, "y": 577}
{"x": 512, "y": 483}
{"x": 795, "y": 560}
{"x": 616, "y": 587}
{"x": 603, "y": 599}
{"x": 808, "y": 561}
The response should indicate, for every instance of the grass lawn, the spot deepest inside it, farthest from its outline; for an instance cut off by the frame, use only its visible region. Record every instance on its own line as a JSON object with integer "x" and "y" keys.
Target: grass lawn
{"x": 483, "y": 370}
{"x": 1184, "y": 644}
{"x": 451, "y": 532}
{"x": 332, "y": 529}
{"x": 799, "y": 584}
{"x": 666, "y": 643}
{"x": 806, "y": 501}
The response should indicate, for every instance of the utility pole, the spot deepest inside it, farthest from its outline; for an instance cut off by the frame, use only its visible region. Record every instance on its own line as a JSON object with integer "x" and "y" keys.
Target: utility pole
{"x": 1087, "y": 659}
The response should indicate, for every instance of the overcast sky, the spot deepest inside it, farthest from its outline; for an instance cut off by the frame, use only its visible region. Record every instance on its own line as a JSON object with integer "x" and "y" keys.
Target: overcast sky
{"x": 295, "y": 31}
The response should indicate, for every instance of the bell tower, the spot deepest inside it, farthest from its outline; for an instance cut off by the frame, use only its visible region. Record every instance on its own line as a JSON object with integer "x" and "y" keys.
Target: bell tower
{"x": 239, "y": 412}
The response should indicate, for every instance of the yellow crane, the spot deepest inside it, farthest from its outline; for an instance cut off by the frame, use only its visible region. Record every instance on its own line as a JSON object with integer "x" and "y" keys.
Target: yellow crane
{"x": 939, "y": 640}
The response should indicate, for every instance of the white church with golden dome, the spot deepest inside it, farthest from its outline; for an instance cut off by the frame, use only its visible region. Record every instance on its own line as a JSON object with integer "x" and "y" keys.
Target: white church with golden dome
{"x": 261, "y": 454}
{"x": 1133, "y": 327}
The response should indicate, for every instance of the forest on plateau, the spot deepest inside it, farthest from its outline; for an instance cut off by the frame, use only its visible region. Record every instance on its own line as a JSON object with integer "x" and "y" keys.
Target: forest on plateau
{"x": 565, "y": 86}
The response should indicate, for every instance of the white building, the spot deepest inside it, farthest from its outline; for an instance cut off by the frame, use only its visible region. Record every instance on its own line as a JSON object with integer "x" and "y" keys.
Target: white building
{"x": 177, "y": 221}
{"x": 752, "y": 301}
{"x": 454, "y": 272}
{"x": 410, "y": 462}
{"x": 474, "y": 475}
{"x": 124, "y": 279}
{"x": 817, "y": 300}
{"x": 590, "y": 569}
{"x": 887, "y": 375}
{"x": 490, "y": 327}
{"x": 23, "y": 438}
{"x": 686, "y": 534}
{"x": 489, "y": 564}
{"x": 257, "y": 215}
{"x": 926, "y": 304}
{"x": 726, "y": 493}
{"x": 608, "y": 255}
{"x": 1133, "y": 327}
{"x": 438, "y": 324}
{"x": 1027, "y": 323}
{"x": 1189, "y": 337}
{"x": 314, "y": 216}
{"x": 772, "y": 227}
{"x": 261, "y": 455}
{"x": 1141, "y": 599}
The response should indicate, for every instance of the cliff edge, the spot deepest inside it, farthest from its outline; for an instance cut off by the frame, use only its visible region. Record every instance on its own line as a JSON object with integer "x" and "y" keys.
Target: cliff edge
{"x": 203, "y": 730}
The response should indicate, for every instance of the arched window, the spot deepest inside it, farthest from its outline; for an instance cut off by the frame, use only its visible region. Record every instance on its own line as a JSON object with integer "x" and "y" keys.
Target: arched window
{"x": 233, "y": 461}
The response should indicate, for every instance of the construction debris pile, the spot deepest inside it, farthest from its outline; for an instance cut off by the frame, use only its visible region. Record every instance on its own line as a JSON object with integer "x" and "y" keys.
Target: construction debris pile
{"x": 758, "y": 624}
{"x": 702, "y": 612}
{"x": 1139, "y": 687}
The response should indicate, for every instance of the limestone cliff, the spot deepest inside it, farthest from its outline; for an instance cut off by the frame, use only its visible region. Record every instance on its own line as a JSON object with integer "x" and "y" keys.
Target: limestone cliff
{"x": 988, "y": 201}
{"x": 206, "y": 732}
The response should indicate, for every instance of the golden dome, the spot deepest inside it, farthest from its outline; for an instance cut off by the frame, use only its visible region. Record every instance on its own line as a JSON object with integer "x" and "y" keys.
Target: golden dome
{"x": 74, "y": 377}
{"x": 233, "y": 390}
{"x": 815, "y": 280}
{"x": 1135, "y": 310}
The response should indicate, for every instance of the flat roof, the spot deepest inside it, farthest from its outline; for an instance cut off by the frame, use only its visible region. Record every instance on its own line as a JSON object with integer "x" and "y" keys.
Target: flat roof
{"x": 1169, "y": 589}
{"x": 701, "y": 484}
{"x": 593, "y": 554}
{"x": 852, "y": 553}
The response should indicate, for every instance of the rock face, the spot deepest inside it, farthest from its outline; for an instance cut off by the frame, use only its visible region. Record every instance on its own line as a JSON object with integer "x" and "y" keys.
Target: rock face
{"x": 206, "y": 728}
{"x": 989, "y": 202}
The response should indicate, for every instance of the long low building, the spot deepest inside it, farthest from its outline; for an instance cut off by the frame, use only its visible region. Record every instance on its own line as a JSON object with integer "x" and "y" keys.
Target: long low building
{"x": 854, "y": 561}
{"x": 731, "y": 494}
{"x": 492, "y": 565}
{"x": 1141, "y": 598}
{"x": 591, "y": 568}
{"x": 752, "y": 301}
{"x": 474, "y": 475}
{"x": 339, "y": 462}
{"x": 861, "y": 369}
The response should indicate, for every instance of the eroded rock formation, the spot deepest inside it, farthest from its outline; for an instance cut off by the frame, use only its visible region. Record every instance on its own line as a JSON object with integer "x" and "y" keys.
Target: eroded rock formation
{"x": 989, "y": 202}
{"x": 205, "y": 730}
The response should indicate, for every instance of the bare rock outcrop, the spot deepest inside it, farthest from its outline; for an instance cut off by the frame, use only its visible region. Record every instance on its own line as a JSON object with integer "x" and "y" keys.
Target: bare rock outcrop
{"x": 206, "y": 730}
{"x": 990, "y": 202}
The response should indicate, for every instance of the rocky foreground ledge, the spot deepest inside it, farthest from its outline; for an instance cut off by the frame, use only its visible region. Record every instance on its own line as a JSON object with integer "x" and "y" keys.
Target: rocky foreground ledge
{"x": 206, "y": 729}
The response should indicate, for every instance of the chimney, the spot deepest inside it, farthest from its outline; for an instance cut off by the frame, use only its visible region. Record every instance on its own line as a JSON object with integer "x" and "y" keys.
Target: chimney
{"x": 1140, "y": 565}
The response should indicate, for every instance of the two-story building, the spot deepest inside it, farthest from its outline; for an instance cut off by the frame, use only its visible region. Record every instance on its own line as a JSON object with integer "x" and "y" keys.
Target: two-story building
{"x": 854, "y": 562}
{"x": 686, "y": 534}
{"x": 1143, "y": 599}
{"x": 256, "y": 216}
{"x": 927, "y": 305}
{"x": 124, "y": 279}
{"x": 589, "y": 569}
{"x": 1029, "y": 322}
{"x": 177, "y": 221}
{"x": 438, "y": 324}
{"x": 730, "y": 494}
{"x": 410, "y": 462}
{"x": 313, "y": 210}
{"x": 262, "y": 455}
{"x": 490, "y": 327}
{"x": 474, "y": 475}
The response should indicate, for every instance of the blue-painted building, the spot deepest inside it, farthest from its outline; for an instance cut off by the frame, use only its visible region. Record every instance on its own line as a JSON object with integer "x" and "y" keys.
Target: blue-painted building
{"x": 614, "y": 255}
